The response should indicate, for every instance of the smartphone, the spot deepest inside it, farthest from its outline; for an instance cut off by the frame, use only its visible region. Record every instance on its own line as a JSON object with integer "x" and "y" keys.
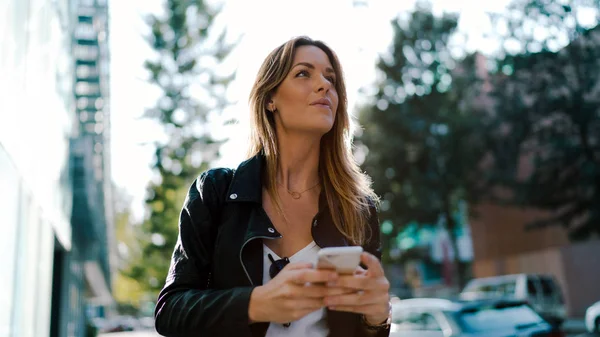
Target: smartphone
{"x": 343, "y": 259}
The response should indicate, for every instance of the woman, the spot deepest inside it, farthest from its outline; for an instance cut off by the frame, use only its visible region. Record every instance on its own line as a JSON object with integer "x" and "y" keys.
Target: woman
{"x": 242, "y": 264}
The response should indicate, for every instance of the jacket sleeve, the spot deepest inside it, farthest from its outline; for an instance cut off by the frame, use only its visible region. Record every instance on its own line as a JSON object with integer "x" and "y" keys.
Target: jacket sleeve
{"x": 373, "y": 247}
{"x": 186, "y": 305}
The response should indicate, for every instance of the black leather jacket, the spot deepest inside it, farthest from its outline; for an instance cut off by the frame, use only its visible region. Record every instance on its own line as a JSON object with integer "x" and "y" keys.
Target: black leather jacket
{"x": 218, "y": 258}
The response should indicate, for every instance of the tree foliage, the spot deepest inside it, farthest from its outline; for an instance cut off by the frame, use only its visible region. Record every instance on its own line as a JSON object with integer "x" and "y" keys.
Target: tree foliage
{"x": 127, "y": 292}
{"x": 423, "y": 148}
{"x": 186, "y": 68}
{"x": 545, "y": 138}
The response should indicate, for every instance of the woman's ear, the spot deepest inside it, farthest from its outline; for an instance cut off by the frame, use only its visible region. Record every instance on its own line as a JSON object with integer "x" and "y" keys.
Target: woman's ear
{"x": 271, "y": 106}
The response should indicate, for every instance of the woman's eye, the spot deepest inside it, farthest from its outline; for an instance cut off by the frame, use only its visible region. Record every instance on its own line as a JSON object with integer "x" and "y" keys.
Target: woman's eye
{"x": 305, "y": 73}
{"x": 302, "y": 73}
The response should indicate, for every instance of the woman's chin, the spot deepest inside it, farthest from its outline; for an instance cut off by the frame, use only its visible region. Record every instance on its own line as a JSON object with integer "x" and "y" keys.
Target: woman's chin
{"x": 316, "y": 126}
{"x": 323, "y": 128}
{"x": 325, "y": 123}
{"x": 315, "y": 130}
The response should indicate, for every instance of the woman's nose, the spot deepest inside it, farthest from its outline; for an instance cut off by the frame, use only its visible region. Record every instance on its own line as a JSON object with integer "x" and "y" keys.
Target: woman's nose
{"x": 323, "y": 84}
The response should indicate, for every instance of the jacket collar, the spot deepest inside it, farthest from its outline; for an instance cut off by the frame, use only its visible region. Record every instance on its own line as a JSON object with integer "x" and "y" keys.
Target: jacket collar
{"x": 246, "y": 186}
{"x": 246, "y": 183}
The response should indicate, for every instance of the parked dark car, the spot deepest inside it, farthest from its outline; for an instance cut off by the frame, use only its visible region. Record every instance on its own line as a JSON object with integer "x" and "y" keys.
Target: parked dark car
{"x": 430, "y": 317}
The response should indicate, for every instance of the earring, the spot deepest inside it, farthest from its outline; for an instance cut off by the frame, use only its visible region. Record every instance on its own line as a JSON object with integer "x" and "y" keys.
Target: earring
{"x": 271, "y": 107}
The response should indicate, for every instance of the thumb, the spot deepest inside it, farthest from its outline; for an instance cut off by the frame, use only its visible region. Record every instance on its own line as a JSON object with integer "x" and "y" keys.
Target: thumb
{"x": 372, "y": 263}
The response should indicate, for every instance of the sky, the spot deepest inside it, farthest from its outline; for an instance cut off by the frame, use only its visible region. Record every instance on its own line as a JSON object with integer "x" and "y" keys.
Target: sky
{"x": 357, "y": 34}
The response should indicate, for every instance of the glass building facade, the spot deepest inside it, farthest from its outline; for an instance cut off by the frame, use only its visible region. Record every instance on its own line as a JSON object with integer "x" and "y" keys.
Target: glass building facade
{"x": 55, "y": 192}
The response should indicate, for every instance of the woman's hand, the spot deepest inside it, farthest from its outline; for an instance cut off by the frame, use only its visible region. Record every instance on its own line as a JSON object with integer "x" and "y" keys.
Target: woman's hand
{"x": 369, "y": 292}
{"x": 296, "y": 291}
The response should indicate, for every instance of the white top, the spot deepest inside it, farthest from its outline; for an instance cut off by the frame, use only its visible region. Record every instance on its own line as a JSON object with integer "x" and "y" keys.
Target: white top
{"x": 313, "y": 324}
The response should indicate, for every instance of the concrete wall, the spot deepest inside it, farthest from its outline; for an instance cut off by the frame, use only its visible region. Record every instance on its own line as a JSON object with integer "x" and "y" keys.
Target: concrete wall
{"x": 500, "y": 231}
{"x": 582, "y": 273}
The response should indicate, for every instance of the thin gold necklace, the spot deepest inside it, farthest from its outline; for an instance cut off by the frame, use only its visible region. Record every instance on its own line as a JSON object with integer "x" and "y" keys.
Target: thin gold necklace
{"x": 298, "y": 195}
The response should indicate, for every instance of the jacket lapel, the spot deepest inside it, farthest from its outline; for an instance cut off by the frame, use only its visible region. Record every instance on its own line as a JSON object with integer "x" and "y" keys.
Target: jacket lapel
{"x": 324, "y": 231}
{"x": 252, "y": 250}
{"x": 246, "y": 187}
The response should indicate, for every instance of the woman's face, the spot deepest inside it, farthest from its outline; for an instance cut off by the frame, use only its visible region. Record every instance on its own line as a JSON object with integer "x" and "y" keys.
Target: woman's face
{"x": 306, "y": 100}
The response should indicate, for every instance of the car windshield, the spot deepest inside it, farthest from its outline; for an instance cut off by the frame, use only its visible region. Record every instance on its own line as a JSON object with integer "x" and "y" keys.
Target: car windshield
{"x": 487, "y": 318}
{"x": 498, "y": 288}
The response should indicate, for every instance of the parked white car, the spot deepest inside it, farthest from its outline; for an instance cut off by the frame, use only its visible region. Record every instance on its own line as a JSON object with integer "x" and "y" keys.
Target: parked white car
{"x": 592, "y": 318}
{"x": 542, "y": 292}
{"x": 434, "y": 317}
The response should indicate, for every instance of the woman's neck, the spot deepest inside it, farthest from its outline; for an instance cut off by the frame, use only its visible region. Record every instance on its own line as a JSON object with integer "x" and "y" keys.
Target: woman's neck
{"x": 298, "y": 162}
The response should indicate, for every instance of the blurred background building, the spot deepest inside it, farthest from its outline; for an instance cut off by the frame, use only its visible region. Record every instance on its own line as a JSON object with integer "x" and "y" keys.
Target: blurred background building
{"x": 504, "y": 241}
{"x": 56, "y": 209}
{"x": 502, "y": 247}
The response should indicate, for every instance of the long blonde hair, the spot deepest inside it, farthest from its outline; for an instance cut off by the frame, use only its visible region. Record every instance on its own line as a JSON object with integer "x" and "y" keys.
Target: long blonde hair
{"x": 347, "y": 188}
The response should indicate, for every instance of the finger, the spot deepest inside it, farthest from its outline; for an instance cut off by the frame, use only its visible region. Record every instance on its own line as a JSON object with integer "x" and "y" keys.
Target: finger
{"x": 373, "y": 264}
{"x": 360, "y": 271}
{"x": 307, "y": 303}
{"x": 356, "y": 298}
{"x": 320, "y": 291}
{"x": 356, "y": 282}
{"x": 334, "y": 291}
{"x": 313, "y": 276}
{"x": 312, "y": 290}
{"x": 363, "y": 282}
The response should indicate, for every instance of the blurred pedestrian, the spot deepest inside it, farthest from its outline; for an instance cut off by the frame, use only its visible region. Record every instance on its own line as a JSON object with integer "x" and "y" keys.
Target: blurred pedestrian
{"x": 248, "y": 238}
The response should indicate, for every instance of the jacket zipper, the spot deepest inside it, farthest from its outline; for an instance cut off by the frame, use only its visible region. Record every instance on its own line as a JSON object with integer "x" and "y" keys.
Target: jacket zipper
{"x": 242, "y": 250}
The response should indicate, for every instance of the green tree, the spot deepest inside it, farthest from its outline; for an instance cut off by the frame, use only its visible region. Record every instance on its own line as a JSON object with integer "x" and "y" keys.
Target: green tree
{"x": 421, "y": 131}
{"x": 548, "y": 113}
{"x": 187, "y": 67}
{"x": 128, "y": 292}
